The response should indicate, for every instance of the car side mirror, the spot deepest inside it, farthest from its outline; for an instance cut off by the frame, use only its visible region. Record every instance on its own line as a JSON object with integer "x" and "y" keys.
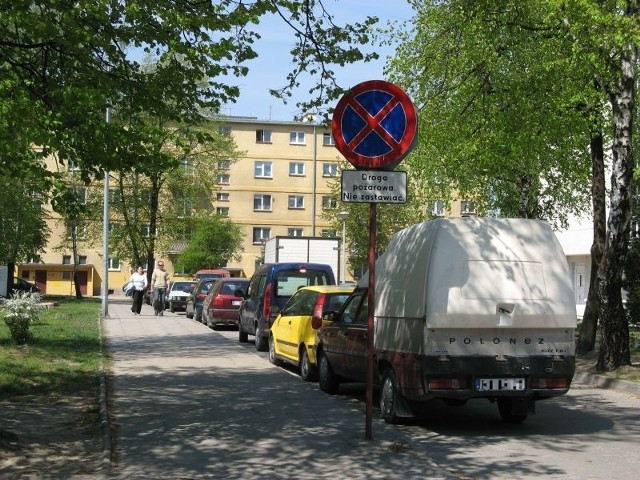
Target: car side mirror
{"x": 275, "y": 310}
{"x": 330, "y": 316}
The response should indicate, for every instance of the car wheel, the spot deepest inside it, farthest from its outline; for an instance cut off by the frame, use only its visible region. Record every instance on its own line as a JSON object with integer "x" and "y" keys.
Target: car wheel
{"x": 262, "y": 343}
{"x": 242, "y": 335}
{"x": 505, "y": 407}
{"x": 272, "y": 352}
{"x": 389, "y": 397}
{"x": 327, "y": 380}
{"x": 308, "y": 371}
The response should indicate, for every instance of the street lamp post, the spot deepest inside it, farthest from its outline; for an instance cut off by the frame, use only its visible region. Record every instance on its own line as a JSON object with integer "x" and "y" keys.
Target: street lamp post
{"x": 343, "y": 268}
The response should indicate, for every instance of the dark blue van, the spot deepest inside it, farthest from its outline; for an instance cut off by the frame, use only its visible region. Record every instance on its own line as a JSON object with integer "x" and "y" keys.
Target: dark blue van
{"x": 269, "y": 290}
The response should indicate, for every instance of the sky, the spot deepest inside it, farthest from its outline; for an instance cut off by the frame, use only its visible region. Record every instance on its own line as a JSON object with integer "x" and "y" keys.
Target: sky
{"x": 270, "y": 69}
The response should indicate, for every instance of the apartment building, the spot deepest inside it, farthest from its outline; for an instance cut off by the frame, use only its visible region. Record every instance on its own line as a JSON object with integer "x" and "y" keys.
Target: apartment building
{"x": 281, "y": 186}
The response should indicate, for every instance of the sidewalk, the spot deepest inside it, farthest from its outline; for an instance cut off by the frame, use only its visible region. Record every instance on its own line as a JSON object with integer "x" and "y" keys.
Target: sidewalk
{"x": 186, "y": 402}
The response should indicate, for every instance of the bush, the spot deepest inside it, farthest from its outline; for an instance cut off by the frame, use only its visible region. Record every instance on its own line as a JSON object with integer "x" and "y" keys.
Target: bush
{"x": 22, "y": 311}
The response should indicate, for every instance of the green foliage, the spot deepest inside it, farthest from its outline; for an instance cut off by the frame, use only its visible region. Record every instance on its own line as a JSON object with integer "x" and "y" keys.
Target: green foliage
{"x": 631, "y": 282}
{"x": 23, "y": 230}
{"x": 62, "y": 358}
{"x": 23, "y": 310}
{"x": 215, "y": 241}
{"x": 503, "y": 116}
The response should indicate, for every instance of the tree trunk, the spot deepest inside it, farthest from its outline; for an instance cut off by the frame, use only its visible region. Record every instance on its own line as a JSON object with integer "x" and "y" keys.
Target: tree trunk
{"x": 74, "y": 246}
{"x": 587, "y": 338}
{"x": 614, "y": 350}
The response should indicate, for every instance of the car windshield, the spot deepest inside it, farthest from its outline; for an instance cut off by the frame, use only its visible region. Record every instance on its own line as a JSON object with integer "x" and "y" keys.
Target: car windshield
{"x": 289, "y": 282}
{"x": 182, "y": 287}
{"x": 229, "y": 288}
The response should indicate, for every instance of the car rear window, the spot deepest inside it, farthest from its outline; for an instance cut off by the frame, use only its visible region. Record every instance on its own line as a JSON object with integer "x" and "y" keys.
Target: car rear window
{"x": 289, "y": 281}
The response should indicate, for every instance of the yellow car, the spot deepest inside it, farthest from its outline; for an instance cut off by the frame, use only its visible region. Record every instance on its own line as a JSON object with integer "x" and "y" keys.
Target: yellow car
{"x": 293, "y": 333}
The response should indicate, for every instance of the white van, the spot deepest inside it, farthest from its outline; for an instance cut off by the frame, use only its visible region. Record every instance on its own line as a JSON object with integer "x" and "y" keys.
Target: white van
{"x": 467, "y": 308}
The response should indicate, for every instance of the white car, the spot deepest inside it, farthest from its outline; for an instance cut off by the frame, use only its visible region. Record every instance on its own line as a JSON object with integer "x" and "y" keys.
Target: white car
{"x": 178, "y": 295}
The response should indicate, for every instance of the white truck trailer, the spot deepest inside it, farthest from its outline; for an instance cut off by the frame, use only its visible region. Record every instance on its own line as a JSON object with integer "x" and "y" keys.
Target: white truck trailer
{"x": 304, "y": 249}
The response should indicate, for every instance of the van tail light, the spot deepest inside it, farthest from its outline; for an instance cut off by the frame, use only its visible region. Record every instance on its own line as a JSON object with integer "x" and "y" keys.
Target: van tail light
{"x": 548, "y": 383}
{"x": 447, "y": 383}
{"x": 266, "y": 306}
{"x": 218, "y": 301}
{"x": 316, "y": 319}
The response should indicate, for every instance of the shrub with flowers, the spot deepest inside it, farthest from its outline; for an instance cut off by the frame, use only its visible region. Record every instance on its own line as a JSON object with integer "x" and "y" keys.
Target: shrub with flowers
{"x": 21, "y": 311}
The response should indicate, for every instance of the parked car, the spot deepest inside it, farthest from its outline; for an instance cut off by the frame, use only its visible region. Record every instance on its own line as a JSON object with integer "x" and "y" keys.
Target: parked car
{"x": 211, "y": 273}
{"x": 465, "y": 308}
{"x": 21, "y": 285}
{"x": 270, "y": 288}
{"x": 293, "y": 333}
{"x": 193, "y": 307}
{"x": 223, "y": 301}
{"x": 178, "y": 294}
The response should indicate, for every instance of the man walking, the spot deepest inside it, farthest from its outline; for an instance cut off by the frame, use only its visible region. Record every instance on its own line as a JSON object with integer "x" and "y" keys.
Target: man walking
{"x": 159, "y": 287}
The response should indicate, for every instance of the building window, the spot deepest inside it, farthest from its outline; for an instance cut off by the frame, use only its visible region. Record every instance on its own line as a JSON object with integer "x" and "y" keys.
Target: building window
{"x": 222, "y": 211}
{"x": 224, "y": 164}
{"x": 262, "y": 203}
{"x": 261, "y": 234}
{"x": 327, "y": 139}
{"x": 223, "y": 130}
{"x": 329, "y": 202}
{"x": 66, "y": 276}
{"x": 224, "y": 179}
{"x": 66, "y": 259}
{"x": 82, "y": 259}
{"x": 436, "y": 208}
{"x": 296, "y": 169}
{"x": 263, "y": 136}
{"x": 295, "y": 232}
{"x": 186, "y": 164}
{"x": 296, "y": 201}
{"x": 329, "y": 170}
{"x": 114, "y": 263}
{"x": 222, "y": 197}
{"x": 81, "y": 194}
{"x": 296, "y": 138}
{"x": 146, "y": 231}
{"x": 115, "y": 196}
{"x": 262, "y": 169}
{"x": 73, "y": 166}
{"x": 79, "y": 229}
{"x": 467, "y": 207}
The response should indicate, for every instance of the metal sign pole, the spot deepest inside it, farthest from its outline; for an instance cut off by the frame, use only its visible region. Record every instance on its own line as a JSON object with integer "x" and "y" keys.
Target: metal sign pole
{"x": 371, "y": 299}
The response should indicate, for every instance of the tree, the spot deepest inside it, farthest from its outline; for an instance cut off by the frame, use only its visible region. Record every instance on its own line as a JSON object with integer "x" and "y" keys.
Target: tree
{"x": 511, "y": 95}
{"x": 23, "y": 229}
{"x": 154, "y": 208}
{"x": 214, "y": 242}
{"x": 64, "y": 64}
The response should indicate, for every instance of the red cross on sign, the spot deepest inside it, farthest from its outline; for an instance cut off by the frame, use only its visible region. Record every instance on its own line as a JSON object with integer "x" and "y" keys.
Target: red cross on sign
{"x": 375, "y": 125}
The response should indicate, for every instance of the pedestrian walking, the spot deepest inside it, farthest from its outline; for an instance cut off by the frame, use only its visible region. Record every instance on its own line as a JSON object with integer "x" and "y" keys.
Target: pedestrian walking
{"x": 159, "y": 288}
{"x": 139, "y": 280}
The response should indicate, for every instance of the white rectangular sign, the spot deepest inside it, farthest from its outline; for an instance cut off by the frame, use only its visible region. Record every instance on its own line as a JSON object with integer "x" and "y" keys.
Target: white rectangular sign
{"x": 374, "y": 186}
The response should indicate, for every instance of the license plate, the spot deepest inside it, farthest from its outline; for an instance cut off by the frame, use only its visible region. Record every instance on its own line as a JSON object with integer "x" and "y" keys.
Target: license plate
{"x": 235, "y": 303}
{"x": 499, "y": 384}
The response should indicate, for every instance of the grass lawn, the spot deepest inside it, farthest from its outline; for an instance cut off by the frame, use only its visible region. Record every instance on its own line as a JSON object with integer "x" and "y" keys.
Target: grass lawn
{"x": 61, "y": 360}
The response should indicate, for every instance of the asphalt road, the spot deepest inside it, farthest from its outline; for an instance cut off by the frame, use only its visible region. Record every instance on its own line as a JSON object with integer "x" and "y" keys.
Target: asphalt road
{"x": 189, "y": 402}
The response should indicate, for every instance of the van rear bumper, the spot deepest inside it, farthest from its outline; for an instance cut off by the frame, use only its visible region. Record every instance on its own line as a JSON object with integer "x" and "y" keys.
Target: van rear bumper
{"x": 466, "y": 377}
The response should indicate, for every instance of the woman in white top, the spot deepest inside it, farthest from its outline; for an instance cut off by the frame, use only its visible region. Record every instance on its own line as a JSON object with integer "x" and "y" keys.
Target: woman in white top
{"x": 139, "y": 280}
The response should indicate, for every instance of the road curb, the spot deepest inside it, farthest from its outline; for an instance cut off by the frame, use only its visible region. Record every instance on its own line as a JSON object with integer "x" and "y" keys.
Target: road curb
{"x": 600, "y": 381}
